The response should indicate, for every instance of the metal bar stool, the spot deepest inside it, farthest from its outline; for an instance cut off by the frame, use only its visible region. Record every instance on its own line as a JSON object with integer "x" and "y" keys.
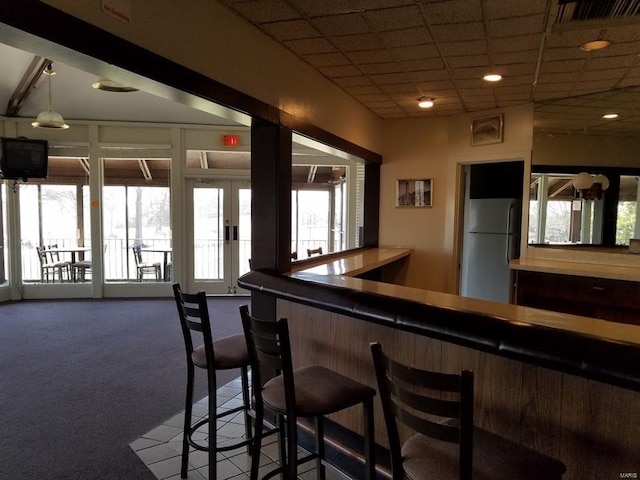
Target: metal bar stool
{"x": 439, "y": 407}
{"x": 307, "y": 392}
{"x": 222, "y": 354}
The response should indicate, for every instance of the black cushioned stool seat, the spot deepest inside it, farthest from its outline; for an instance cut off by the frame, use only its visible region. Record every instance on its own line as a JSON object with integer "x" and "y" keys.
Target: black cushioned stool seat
{"x": 311, "y": 391}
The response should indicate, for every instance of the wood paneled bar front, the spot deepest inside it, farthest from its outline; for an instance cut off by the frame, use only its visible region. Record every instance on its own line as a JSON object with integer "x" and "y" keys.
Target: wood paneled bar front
{"x": 565, "y": 385}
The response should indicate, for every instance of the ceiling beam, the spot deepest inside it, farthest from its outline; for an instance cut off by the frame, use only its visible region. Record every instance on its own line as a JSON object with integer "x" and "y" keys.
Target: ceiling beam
{"x": 144, "y": 167}
{"x": 29, "y": 80}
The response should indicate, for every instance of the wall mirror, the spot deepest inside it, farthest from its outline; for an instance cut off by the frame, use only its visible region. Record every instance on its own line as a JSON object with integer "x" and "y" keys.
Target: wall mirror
{"x": 577, "y": 139}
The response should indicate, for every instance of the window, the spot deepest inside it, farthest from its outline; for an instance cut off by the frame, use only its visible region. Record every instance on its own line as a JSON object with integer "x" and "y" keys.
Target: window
{"x": 136, "y": 211}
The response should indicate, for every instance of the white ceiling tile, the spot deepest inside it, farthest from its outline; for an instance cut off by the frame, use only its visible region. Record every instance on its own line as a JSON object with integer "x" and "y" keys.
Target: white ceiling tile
{"x": 354, "y": 81}
{"x": 363, "y": 89}
{"x": 313, "y": 8}
{"x": 528, "y": 56}
{"x": 471, "y": 72}
{"x": 352, "y": 43}
{"x": 380, "y": 101}
{"x": 394, "y": 18}
{"x": 339, "y": 71}
{"x": 415, "y": 52}
{"x": 477, "y": 47}
{"x": 406, "y": 37}
{"x": 601, "y": 63}
{"x": 562, "y": 66}
{"x": 429, "y": 75}
{"x": 398, "y": 88}
{"x": 515, "y": 44}
{"x": 310, "y": 45}
{"x": 380, "y": 68}
{"x": 327, "y": 59}
{"x": 390, "y": 78}
{"x": 505, "y": 9}
{"x": 459, "y": 32}
{"x": 517, "y": 70}
{"x": 261, "y": 11}
{"x": 340, "y": 25}
{"x": 608, "y": 74}
{"x": 510, "y": 27}
{"x": 291, "y": 30}
{"x": 370, "y": 56}
{"x": 422, "y": 64}
{"x": 454, "y": 11}
{"x": 468, "y": 61}
{"x": 437, "y": 85}
{"x": 564, "y": 53}
{"x": 559, "y": 77}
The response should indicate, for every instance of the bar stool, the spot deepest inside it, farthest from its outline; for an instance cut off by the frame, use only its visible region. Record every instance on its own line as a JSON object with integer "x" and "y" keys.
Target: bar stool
{"x": 307, "y": 392}
{"x": 447, "y": 444}
{"x": 222, "y": 354}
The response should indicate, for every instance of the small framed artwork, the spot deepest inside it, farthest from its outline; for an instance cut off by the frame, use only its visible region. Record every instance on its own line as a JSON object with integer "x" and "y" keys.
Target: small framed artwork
{"x": 414, "y": 192}
{"x": 486, "y": 130}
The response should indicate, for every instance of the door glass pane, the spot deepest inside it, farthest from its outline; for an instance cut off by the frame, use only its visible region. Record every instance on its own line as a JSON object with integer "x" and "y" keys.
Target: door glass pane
{"x": 244, "y": 226}
{"x": 208, "y": 233}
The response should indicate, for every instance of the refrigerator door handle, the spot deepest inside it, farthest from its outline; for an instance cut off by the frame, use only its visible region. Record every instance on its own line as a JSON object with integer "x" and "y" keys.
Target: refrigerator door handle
{"x": 509, "y": 220}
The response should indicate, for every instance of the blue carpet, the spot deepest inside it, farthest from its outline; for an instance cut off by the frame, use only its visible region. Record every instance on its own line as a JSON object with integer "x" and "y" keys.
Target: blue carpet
{"x": 81, "y": 379}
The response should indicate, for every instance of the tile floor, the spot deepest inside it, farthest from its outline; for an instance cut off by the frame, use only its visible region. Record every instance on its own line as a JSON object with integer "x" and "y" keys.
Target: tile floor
{"x": 160, "y": 448}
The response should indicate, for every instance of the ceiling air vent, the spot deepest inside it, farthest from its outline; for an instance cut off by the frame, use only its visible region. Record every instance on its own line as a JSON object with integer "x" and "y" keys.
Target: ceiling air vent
{"x": 581, "y": 10}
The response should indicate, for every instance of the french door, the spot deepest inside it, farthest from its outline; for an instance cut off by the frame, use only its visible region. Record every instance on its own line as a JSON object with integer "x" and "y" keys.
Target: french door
{"x": 220, "y": 238}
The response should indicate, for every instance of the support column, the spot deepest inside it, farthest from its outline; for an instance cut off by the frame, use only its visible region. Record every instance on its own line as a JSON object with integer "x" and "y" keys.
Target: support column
{"x": 270, "y": 206}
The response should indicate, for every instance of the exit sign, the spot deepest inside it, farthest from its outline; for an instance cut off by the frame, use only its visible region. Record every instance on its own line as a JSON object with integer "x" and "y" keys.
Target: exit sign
{"x": 230, "y": 140}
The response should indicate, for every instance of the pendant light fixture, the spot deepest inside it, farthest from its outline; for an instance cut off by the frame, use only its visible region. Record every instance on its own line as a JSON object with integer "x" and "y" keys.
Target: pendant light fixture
{"x": 49, "y": 118}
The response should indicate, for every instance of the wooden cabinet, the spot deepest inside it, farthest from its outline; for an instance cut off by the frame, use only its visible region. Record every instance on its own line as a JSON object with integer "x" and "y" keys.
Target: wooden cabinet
{"x": 614, "y": 300}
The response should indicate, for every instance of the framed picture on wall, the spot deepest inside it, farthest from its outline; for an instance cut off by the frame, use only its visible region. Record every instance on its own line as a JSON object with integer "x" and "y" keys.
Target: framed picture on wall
{"x": 414, "y": 192}
{"x": 486, "y": 130}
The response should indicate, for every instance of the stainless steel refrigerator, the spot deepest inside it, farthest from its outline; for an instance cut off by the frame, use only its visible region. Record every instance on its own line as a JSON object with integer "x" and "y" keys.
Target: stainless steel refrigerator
{"x": 491, "y": 239}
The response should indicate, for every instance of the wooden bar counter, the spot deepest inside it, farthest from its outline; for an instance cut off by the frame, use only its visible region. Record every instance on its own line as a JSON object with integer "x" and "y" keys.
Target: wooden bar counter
{"x": 565, "y": 385}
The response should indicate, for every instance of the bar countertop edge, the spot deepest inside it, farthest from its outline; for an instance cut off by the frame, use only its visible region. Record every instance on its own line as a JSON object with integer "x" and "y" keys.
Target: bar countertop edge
{"x": 596, "y": 349}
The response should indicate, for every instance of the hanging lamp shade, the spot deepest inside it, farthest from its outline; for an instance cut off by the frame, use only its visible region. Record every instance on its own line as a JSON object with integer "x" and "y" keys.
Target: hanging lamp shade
{"x": 49, "y": 118}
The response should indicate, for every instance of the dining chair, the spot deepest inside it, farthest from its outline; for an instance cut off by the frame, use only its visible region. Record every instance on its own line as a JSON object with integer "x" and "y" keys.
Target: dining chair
{"x": 50, "y": 264}
{"x": 145, "y": 267}
{"x": 310, "y": 392}
{"x": 210, "y": 355}
{"x": 314, "y": 251}
{"x": 446, "y": 444}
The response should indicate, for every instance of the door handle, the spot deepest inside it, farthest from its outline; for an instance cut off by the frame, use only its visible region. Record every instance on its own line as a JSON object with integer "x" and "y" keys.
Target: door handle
{"x": 226, "y": 233}
{"x": 235, "y": 232}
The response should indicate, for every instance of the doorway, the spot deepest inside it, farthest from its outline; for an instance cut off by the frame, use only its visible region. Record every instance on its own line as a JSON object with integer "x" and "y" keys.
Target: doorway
{"x": 220, "y": 238}
{"x": 491, "y": 229}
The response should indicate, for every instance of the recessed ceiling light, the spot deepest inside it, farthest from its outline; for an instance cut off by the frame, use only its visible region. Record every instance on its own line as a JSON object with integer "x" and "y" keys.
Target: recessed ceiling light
{"x": 425, "y": 102}
{"x": 610, "y": 115}
{"x": 492, "y": 77}
{"x": 598, "y": 44}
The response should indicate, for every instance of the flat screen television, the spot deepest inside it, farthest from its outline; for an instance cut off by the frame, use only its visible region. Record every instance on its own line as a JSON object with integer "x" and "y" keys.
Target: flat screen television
{"x": 22, "y": 158}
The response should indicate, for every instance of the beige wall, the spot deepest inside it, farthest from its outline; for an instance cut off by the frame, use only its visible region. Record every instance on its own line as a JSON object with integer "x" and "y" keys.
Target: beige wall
{"x": 416, "y": 148}
{"x": 205, "y": 36}
{"x": 436, "y": 148}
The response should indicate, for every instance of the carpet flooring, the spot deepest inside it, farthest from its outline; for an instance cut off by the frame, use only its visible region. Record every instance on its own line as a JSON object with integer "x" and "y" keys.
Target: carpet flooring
{"x": 81, "y": 379}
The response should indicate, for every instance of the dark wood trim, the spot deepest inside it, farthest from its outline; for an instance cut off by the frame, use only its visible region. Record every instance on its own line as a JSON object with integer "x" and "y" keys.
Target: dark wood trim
{"x": 44, "y": 21}
{"x": 371, "y": 205}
